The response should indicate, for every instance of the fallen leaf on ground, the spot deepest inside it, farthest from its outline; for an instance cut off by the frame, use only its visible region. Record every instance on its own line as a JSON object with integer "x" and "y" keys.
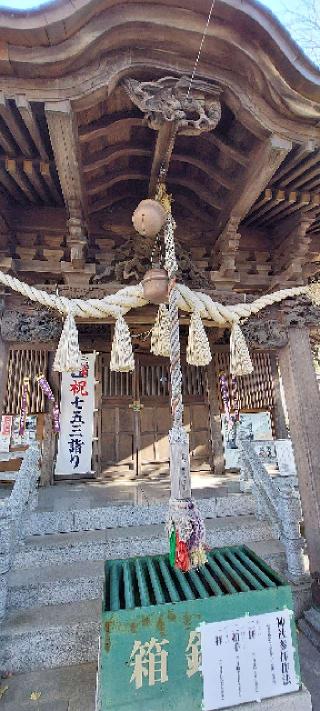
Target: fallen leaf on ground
{"x": 35, "y": 696}
{"x": 3, "y": 690}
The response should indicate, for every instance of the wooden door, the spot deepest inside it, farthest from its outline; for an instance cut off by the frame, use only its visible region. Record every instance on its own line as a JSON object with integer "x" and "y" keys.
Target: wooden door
{"x": 155, "y": 420}
{"x": 118, "y": 444}
{"x": 136, "y": 417}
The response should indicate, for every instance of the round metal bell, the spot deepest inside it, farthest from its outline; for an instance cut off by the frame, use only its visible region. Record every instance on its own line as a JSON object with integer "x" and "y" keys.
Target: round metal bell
{"x": 155, "y": 286}
{"x": 149, "y": 217}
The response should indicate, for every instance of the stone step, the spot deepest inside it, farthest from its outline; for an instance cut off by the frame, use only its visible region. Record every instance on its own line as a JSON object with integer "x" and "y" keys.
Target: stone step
{"x": 82, "y": 579}
{"x": 310, "y": 626}
{"x": 65, "y": 689}
{"x": 50, "y": 636}
{"x": 90, "y": 519}
{"x": 313, "y": 617}
{"x": 310, "y": 632}
{"x": 125, "y": 541}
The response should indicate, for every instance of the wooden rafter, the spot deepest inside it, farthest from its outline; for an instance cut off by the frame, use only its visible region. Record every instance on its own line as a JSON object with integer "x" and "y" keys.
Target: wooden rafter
{"x": 265, "y": 159}
{"x": 20, "y": 136}
{"x": 276, "y": 204}
{"x": 47, "y": 175}
{"x": 296, "y": 177}
{"x": 299, "y": 155}
{"x": 21, "y": 179}
{"x": 11, "y": 187}
{"x": 102, "y": 159}
{"x": 35, "y": 180}
{"x": 30, "y": 121}
{"x": 103, "y": 184}
{"x": 103, "y": 126}
{"x": 235, "y": 153}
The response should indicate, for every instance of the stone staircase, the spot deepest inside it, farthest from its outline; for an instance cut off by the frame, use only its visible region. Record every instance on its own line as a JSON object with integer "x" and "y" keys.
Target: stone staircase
{"x": 309, "y": 624}
{"x": 55, "y": 585}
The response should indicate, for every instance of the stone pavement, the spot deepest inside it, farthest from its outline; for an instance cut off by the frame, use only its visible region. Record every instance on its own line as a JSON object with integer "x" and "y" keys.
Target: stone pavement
{"x": 73, "y": 688}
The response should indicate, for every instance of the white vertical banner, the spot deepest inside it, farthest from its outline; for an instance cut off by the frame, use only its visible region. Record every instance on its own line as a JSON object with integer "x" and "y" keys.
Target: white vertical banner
{"x": 76, "y": 419}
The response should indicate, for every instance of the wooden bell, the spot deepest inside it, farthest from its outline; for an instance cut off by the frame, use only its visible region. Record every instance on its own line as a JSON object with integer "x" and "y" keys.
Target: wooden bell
{"x": 149, "y": 217}
{"x": 155, "y": 285}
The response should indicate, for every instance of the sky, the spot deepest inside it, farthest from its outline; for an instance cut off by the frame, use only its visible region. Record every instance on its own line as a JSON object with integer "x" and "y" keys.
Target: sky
{"x": 278, "y": 7}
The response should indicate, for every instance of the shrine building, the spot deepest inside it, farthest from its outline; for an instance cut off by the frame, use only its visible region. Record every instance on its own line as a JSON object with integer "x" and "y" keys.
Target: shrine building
{"x": 99, "y": 101}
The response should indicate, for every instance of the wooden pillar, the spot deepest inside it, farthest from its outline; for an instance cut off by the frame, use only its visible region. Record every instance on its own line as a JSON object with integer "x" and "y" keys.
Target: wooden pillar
{"x": 218, "y": 461}
{"x": 303, "y": 404}
{"x": 280, "y": 425}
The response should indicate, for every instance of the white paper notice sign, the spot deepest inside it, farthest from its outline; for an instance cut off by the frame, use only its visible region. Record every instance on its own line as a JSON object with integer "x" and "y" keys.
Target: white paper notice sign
{"x": 76, "y": 421}
{"x": 5, "y": 433}
{"x": 247, "y": 659}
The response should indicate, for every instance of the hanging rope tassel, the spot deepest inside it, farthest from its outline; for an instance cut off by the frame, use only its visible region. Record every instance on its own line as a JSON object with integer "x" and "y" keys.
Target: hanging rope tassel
{"x": 240, "y": 360}
{"x": 198, "y": 349}
{"x": 160, "y": 334}
{"x": 122, "y": 359}
{"x": 186, "y": 535}
{"x": 68, "y": 355}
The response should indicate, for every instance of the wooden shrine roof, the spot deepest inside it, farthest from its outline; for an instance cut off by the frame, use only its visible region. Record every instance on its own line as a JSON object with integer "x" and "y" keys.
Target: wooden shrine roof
{"x": 74, "y": 145}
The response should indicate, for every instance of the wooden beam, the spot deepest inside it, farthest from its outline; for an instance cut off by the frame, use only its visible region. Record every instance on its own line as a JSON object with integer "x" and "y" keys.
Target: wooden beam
{"x": 30, "y": 121}
{"x": 20, "y": 136}
{"x": 50, "y": 220}
{"x": 265, "y": 159}
{"x": 64, "y": 140}
{"x": 38, "y": 266}
{"x": 162, "y": 153}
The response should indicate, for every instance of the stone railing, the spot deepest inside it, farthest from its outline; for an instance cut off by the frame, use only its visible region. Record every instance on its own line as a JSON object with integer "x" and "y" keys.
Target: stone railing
{"x": 13, "y": 514}
{"x": 277, "y": 497}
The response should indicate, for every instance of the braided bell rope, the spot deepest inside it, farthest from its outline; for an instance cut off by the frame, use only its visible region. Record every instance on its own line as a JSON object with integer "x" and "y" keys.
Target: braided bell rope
{"x": 131, "y": 297}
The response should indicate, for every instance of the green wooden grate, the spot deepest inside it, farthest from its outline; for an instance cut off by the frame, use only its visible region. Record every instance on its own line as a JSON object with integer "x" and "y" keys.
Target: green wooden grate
{"x": 150, "y": 580}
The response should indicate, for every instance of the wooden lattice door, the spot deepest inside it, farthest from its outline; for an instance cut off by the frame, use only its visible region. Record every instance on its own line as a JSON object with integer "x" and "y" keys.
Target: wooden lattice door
{"x": 135, "y": 417}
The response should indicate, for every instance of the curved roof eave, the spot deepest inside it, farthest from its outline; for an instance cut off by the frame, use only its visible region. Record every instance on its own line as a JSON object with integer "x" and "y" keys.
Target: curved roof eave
{"x": 53, "y": 26}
